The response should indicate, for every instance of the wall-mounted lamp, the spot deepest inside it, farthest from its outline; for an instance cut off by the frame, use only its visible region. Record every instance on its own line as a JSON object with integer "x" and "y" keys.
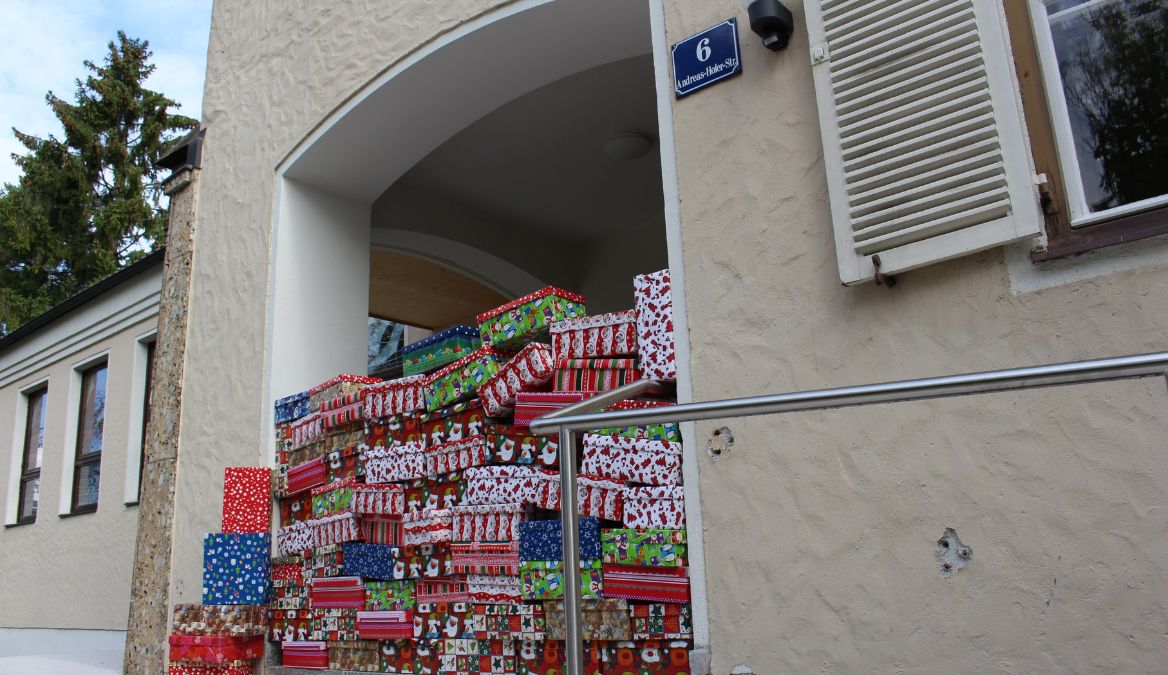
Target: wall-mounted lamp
{"x": 772, "y": 21}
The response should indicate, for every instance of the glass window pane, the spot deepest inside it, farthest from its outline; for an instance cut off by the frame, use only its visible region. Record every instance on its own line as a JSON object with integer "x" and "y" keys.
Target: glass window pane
{"x": 1112, "y": 55}
{"x": 34, "y": 435}
{"x": 92, "y": 423}
{"x": 30, "y": 497}
{"x": 88, "y": 479}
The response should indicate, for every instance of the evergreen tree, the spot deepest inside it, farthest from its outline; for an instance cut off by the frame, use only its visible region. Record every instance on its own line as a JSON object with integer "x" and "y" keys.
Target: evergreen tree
{"x": 88, "y": 203}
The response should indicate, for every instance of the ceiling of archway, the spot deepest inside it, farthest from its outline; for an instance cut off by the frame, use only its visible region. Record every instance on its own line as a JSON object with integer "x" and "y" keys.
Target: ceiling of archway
{"x": 410, "y": 290}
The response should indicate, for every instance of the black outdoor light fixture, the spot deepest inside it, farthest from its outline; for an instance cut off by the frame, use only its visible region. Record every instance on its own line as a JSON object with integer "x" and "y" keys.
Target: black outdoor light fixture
{"x": 773, "y": 23}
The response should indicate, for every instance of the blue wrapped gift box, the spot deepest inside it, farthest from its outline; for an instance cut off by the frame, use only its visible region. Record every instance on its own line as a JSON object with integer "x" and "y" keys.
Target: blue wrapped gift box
{"x": 372, "y": 561}
{"x": 236, "y": 568}
{"x": 292, "y": 407}
{"x": 543, "y": 539}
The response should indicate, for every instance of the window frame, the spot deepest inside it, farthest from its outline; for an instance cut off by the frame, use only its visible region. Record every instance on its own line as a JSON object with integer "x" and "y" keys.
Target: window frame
{"x": 27, "y": 475}
{"x": 1071, "y": 229}
{"x": 91, "y": 458}
{"x": 147, "y": 392}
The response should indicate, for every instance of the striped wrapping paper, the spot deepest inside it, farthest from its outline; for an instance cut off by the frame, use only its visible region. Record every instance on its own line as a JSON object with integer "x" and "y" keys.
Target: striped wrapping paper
{"x": 385, "y": 624}
{"x": 452, "y": 589}
{"x": 334, "y": 529}
{"x": 304, "y": 654}
{"x": 595, "y": 374}
{"x": 481, "y": 558}
{"x": 337, "y": 593}
{"x": 405, "y": 394}
{"x": 307, "y": 475}
{"x": 306, "y": 430}
{"x": 381, "y": 529}
{"x": 650, "y": 584}
{"x": 342, "y": 417}
{"x": 529, "y": 370}
{"x": 611, "y": 334}
{"x": 531, "y": 404}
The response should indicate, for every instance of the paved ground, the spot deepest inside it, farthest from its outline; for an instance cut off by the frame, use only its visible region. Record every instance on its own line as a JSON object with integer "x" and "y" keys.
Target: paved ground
{"x": 82, "y": 663}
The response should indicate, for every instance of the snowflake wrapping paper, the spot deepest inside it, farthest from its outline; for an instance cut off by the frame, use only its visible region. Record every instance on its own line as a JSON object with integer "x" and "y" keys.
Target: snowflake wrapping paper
{"x": 372, "y": 561}
{"x": 543, "y": 540}
{"x": 247, "y": 499}
{"x": 236, "y": 568}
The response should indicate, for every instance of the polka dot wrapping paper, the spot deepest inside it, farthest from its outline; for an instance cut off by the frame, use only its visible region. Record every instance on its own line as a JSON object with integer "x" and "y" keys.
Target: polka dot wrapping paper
{"x": 247, "y": 500}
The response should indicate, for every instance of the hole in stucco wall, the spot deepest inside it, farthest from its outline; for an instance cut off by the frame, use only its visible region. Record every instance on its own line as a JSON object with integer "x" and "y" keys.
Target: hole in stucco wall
{"x": 952, "y": 555}
{"x": 719, "y": 442}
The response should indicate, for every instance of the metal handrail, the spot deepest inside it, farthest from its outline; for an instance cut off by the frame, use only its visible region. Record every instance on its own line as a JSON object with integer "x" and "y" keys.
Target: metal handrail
{"x": 583, "y": 416}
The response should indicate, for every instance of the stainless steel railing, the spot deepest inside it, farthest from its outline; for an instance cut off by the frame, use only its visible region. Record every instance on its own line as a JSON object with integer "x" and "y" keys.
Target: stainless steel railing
{"x": 583, "y": 416}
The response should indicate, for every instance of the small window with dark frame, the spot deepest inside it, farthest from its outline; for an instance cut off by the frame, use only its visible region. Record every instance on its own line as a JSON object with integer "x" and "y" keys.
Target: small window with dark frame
{"x": 34, "y": 444}
{"x": 146, "y": 403}
{"x": 90, "y": 431}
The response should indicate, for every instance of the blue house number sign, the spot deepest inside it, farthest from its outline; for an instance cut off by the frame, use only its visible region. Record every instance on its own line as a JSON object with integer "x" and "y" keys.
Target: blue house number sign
{"x": 706, "y": 58}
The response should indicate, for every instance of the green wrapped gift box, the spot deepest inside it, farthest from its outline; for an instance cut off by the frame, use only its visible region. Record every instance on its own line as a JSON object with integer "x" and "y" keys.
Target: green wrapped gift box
{"x": 390, "y": 595}
{"x": 543, "y": 579}
{"x": 461, "y": 379}
{"x": 648, "y": 548}
{"x": 439, "y": 349}
{"x": 527, "y": 318}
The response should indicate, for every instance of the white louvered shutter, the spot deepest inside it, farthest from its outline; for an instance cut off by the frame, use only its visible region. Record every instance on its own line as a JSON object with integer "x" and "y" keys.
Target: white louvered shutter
{"x": 922, "y": 129}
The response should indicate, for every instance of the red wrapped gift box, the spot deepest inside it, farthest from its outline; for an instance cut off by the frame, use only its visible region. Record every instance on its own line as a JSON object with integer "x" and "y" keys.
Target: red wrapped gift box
{"x": 379, "y": 499}
{"x": 305, "y": 654}
{"x": 208, "y": 669}
{"x": 334, "y": 529}
{"x": 427, "y": 527}
{"x": 306, "y": 476}
{"x": 529, "y": 370}
{"x": 482, "y": 558}
{"x": 441, "y": 589}
{"x": 289, "y": 624}
{"x": 392, "y": 430}
{"x": 454, "y": 423}
{"x": 493, "y": 588}
{"x": 531, "y": 404}
{"x": 652, "y": 657}
{"x": 456, "y": 455}
{"x": 288, "y": 568}
{"x": 651, "y": 584}
{"x": 406, "y": 394}
{"x": 378, "y": 529}
{"x": 247, "y": 499}
{"x": 653, "y": 303}
{"x": 595, "y": 374}
{"x": 295, "y": 509}
{"x": 595, "y": 497}
{"x": 215, "y": 648}
{"x": 337, "y": 593}
{"x": 612, "y": 334}
{"x": 639, "y": 460}
{"x": 385, "y": 624}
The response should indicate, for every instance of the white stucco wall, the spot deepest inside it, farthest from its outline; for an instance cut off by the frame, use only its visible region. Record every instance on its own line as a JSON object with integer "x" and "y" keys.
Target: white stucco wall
{"x": 74, "y": 572}
{"x": 820, "y": 528}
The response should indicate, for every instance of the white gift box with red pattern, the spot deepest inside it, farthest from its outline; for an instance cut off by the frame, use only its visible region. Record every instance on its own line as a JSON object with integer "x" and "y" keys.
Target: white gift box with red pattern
{"x": 658, "y": 507}
{"x": 335, "y": 529}
{"x": 653, "y": 303}
{"x": 294, "y": 538}
{"x": 307, "y": 430}
{"x": 388, "y": 499}
{"x": 612, "y": 334}
{"x": 501, "y": 485}
{"x": 441, "y": 590}
{"x": 457, "y": 455}
{"x": 637, "y": 460}
{"x": 489, "y": 522}
{"x": 529, "y": 370}
{"x": 405, "y": 394}
{"x": 429, "y": 526}
{"x": 491, "y": 589}
{"x": 389, "y": 464}
{"x": 595, "y": 497}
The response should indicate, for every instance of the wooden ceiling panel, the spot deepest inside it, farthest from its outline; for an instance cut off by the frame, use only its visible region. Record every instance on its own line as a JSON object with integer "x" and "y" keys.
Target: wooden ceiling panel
{"x": 414, "y": 291}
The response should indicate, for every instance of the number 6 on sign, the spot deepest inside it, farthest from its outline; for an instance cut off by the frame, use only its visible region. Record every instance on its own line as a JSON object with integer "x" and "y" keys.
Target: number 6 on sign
{"x": 705, "y": 58}
{"x": 703, "y": 50}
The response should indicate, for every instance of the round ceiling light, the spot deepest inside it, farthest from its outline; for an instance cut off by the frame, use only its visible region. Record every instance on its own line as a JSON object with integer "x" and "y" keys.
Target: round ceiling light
{"x": 627, "y": 145}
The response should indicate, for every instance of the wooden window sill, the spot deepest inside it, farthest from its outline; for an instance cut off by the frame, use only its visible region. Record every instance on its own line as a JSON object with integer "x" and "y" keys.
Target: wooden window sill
{"x": 1119, "y": 231}
{"x": 79, "y": 511}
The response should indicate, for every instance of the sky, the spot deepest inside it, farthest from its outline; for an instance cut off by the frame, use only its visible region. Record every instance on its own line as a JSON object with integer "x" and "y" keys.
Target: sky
{"x": 44, "y": 42}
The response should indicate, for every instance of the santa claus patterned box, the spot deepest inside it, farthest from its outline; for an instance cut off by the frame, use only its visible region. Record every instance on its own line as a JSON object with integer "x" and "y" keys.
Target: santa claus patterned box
{"x": 653, "y": 302}
{"x": 334, "y": 623}
{"x": 304, "y": 654}
{"x": 636, "y": 460}
{"x": 649, "y": 547}
{"x": 612, "y": 334}
{"x": 655, "y": 507}
{"x": 361, "y": 656}
{"x": 501, "y": 485}
{"x": 595, "y": 497}
{"x": 289, "y": 624}
{"x": 443, "y": 620}
{"x": 544, "y": 579}
{"x": 606, "y": 619}
{"x": 235, "y": 620}
{"x": 394, "y": 397}
{"x": 461, "y": 379}
{"x": 513, "y": 445}
{"x": 488, "y": 522}
{"x": 409, "y": 656}
{"x": 595, "y": 374}
{"x": 457, "y": 455}
{"x": 439, "y": 349}
{"x": 509, "y": 621}
{"x": 247, "y": 499}
{"x": 662, "y": 621}
{"x": 336, "y": 593}
{"x": 390, "y": 595}
{"x": 527, "y": 318}
{"x": 427, "y": 527}
{"x": 236, "y": 568}
{"x": 529, "y": 370}
{"x": 485, "y": 558}
{"x": 394, "y": 463}
{"x": 543, "y": 539}
{"x": 454, "y": 423}
{"x": 389, "y": 624}
{"x": 492, "y": 588}
{"x": 338, "y": 386}
{"x": 392, "y": 430}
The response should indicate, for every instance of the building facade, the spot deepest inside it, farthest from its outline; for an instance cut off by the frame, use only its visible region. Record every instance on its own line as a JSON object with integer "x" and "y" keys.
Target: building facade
{"x": 931, "y": 142}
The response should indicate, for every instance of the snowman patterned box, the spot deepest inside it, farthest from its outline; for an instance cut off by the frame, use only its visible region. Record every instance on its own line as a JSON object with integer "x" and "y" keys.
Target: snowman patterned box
{"x": 412, "y": 657}
{"x": 662, "y": 621}
{"x": 247, "y": 499}
{"x": 653, "y": 303}
{"x": 454, "y": 423}
{"x": 394, "y": 397}
{"x": 514, "y": 445}
{"x": 637, "y": 460}
{"x": 390, "y": 595}
{"x": 236, "y": 568}
{"x": 544, "y": 579}
{"x": 344, "y": 464}
{"x": 649, "y": 547}
{"x": 653, "y": 657}
{"x": 444, "y": 491}
{"x": 392, "y": 430}
{"x": 529, "y": 370}
{"x": 547, "y": 658}
{"x": 655, "y": 507}
{"x": 443, "y": 620}
{"x": 360, "y": 656}
{"x": 529, "y": 317}
{"x": 509, "y": 621}
{"x": 461, "y": 379}
{"x": 289, "y": 624}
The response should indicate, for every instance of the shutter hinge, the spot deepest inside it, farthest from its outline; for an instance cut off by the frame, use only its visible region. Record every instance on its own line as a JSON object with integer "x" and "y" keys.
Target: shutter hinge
{"x": 882, "y": 279}
{"x": 819, "y": 53}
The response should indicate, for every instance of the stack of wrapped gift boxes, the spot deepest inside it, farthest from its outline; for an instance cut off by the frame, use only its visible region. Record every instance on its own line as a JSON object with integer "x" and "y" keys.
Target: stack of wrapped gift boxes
{"x": 419, "y": 525}
{"x": 225, "y": 634}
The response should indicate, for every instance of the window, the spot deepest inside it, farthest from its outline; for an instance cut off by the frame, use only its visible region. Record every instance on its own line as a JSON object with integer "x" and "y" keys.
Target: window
{"x": 145, "y": 413}
{"x": 1101, "y": 64}
{"x": 33, "y": 448}
{"x": 90, "y": 430}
